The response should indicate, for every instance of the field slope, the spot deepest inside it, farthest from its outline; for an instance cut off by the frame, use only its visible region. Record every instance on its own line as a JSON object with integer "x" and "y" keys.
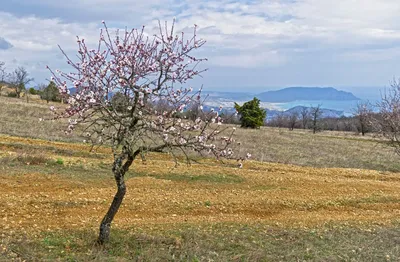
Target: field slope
{"x": 325, "y": 197}
{"x": 53, "y": 195}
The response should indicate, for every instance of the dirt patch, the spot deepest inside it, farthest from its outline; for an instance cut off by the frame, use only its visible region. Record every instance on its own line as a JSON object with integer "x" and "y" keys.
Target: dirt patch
{"x": 50, "y": 202}
{"x": 66, "y": 196}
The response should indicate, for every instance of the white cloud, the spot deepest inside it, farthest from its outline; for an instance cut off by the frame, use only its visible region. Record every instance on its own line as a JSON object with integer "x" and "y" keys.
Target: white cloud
{"x": 35, "y": 41}
{"x": 263, "y": 33}
{"x": 249, "y": 59}
{"x": 285, "y": 26}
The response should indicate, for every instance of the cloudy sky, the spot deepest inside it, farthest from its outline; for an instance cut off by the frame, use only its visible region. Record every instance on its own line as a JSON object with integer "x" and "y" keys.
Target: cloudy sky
{"x": 251, "y": 45}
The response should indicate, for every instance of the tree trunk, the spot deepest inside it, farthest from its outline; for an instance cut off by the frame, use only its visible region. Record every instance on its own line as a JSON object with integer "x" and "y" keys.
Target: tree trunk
{"x": 119, "y": 171}
{"x": 363, "y": 129}
{"x": 105, "y": 225}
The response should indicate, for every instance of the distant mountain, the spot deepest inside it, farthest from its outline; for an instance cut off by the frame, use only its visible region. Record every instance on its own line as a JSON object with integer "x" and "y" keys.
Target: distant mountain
{"x": 291, "y": 94}
{"x": 325, "y": 113}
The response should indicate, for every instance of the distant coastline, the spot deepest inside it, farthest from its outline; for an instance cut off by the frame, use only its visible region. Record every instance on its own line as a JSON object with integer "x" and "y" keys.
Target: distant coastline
{"x": 287, "y": 98}
{"x": 291, "y": 94}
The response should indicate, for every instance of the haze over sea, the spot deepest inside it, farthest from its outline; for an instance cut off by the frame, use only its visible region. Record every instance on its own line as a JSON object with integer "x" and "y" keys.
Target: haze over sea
{"x": 346, "y": 106}
{"x": 370, "y": 94}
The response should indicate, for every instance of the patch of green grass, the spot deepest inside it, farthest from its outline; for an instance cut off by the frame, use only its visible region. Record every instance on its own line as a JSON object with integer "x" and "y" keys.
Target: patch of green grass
{"x": 190, "y": 178}
{"x": 60, "y": 161}
{"x": 214, "y": 242}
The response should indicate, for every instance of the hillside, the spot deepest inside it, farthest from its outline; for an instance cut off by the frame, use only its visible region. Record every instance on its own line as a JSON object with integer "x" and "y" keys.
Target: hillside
{"x": 299, "y": 147}
{"x": 54, "y": 194}
{"x": 302, "y": 197}
{"x": 291, "y": 94}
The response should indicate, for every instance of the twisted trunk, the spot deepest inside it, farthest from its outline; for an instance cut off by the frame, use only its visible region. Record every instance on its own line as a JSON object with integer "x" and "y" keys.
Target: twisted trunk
{"x": 119, "y": 171}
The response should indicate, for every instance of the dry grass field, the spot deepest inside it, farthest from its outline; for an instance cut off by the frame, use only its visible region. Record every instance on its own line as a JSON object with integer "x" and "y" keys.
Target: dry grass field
{"x": 300, "y": 204}
{"x": 299, "y": 147}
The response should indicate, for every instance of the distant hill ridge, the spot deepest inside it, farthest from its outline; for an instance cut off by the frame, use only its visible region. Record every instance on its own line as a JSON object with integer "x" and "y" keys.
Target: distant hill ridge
{"x": 291, "y": 94}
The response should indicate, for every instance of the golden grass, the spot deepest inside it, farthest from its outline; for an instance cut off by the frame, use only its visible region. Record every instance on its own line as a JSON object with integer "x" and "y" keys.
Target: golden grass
{"x": 300, "y": 147}
{"x": 273, "y": 194}
{"x": 325, "y": 149}
{"x": 53, "y": 195}
{"x": 19, "y": 118}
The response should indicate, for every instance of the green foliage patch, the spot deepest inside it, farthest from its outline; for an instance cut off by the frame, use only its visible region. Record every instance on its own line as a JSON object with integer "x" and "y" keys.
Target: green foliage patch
{"x": 251, "y": 115}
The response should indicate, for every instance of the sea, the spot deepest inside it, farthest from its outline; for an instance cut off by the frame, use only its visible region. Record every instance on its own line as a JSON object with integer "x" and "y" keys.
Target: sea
{"x": 368, "y": 94}
{"x": 348, "y": 107}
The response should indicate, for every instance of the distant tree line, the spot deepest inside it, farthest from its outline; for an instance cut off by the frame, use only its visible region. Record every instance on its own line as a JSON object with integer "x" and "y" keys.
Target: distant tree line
{"x": 311, "y": 118}
{"x": 308, "y": 118}
{"x": 17, "y": 81}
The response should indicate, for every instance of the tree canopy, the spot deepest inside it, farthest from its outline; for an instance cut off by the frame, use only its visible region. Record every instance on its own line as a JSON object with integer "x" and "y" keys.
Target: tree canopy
{"x": 251, "y": 115}
{"x": 50, "y": 93}
{"x": 19, "y": 79}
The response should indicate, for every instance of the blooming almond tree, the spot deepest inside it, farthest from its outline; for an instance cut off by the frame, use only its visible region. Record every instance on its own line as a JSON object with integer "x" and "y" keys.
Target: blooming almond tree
{"x": 117, "y": 85}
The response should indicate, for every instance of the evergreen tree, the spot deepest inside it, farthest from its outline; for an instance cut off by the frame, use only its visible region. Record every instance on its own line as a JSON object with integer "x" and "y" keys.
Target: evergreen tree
{"x": 50, "y": 93}
{"x": 251, "y": 115}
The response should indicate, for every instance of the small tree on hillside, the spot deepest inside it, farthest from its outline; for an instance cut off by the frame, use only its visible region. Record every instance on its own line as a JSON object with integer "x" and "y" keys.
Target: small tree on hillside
{"x": 143, "y": 70}
{"x": 387, "y": 120}
{"x": 251, "y": 115}
{"x": 279, "y": 120}
{"x": 19, "y": 79}
{"x": 50, "y": 92}
{"x": 3, "y": 76}
{"x": 33, "y": 91}
{"x": 315, "y": 113}
{"x": 305, "y": 116}
{"x": 292, "y": 120}
{"x": 363, "y": 113}
{"x": 194, "y": 110}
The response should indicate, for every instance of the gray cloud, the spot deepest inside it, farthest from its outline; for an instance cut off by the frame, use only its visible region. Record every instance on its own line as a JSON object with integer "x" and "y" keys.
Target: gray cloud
{"x": 249, "y": 43}
{"x": 4, "y": 44}
{"x": 73, "y": 11}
